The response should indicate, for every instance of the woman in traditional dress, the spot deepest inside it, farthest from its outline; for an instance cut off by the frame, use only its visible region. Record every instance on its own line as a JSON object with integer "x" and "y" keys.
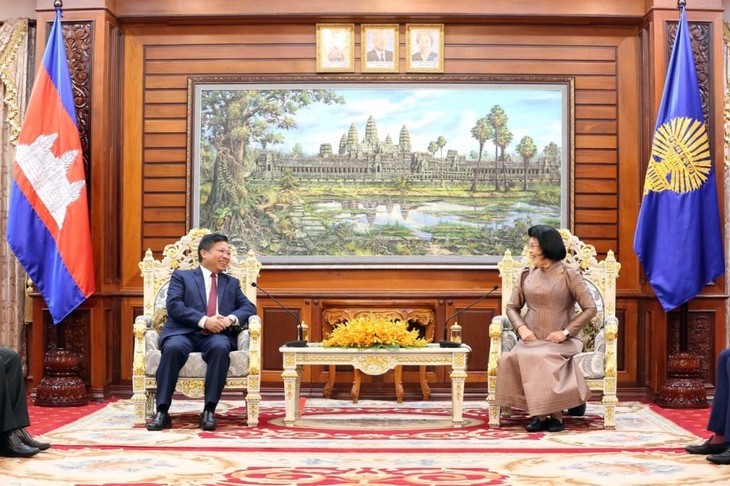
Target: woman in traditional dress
{"x": 538, "y": 375}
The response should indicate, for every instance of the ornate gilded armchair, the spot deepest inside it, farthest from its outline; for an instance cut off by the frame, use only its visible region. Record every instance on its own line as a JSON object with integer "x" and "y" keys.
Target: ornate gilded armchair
{"x": 598, "y": 359}
{"x": 245, "y": 369}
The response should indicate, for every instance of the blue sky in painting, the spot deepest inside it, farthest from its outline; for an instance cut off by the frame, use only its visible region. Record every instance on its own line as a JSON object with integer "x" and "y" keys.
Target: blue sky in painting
{"x": 430, "y": 112}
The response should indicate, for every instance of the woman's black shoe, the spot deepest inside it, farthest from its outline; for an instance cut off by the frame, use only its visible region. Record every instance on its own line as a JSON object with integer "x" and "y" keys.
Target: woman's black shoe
{"x": 537, "y": 425}
{"x": 555, "y": 425}
{"x": 578, "y": 411}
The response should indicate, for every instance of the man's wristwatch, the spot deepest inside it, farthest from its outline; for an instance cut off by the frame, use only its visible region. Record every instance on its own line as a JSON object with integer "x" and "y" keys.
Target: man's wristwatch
{"x": 566, "y": 333}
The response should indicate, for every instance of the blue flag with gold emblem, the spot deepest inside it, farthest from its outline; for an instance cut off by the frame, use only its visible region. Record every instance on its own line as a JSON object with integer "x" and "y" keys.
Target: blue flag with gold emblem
{"x": 678, "y": 235}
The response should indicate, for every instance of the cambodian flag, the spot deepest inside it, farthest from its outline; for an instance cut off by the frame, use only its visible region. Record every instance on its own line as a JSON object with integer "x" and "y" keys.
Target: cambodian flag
{"x": 48, "y": 216}
{"x": 678, "y": 236}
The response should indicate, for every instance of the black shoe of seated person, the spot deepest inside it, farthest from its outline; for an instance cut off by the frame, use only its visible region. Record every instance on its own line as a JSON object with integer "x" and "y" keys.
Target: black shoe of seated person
{"x": 161, "y": 420}
{"x": 723, "y": 458}
{"x": 537, "y": 425}
{"x": 28, "y": 439}
{"x": 706, "y": 448}
{"x": 12, "y": 446}
{"x": 578, "y": 411}
{"x": 207, "y": 420}
{"x": 555, "y": 425}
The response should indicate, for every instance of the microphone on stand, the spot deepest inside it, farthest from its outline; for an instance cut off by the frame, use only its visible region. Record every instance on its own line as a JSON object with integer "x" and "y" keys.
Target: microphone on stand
{"x": 451, "y": 344}
{"x": 301, "y": 342}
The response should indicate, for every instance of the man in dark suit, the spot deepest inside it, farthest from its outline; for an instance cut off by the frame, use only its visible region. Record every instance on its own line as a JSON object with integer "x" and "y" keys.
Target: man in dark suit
{"x": 15, "y": 441}
{"x": 717, "y": 447}
{"x": 206, "y": 308}
{"x": 380, "y": 51}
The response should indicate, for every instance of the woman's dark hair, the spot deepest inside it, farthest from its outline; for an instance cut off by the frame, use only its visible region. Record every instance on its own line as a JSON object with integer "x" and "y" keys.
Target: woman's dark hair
{"x": 551, "y": 243}
{"x": 207, "y": 242}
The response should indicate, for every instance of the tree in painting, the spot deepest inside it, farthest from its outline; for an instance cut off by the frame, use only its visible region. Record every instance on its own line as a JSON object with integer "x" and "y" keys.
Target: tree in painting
{"x": 527, "y": 150}
{"x": 498, "y": 120}
{"x": 481, "y": 132}
{"x": 236, "y": 125}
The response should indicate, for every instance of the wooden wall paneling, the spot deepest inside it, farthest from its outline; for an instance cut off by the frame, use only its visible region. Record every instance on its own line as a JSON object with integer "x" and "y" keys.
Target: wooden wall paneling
{"x": 654, "y": 329}
{"x": 165, "y": 125}
{"x": 474, "y": 324}
{"x": 130, "y": 308}
{"x": 596, "y": 201}
{"x": 111, "y": 121}
{"x": 631, "y": 140}
{"x": 132, "y": 164}
{"x": 279, "y": 327}
{"x": 603, "y": 60}
{"x": 589, "y": 9}
{"x": 106, "y": 217}
{"x": 629, "y": 344}
{"x": 171, "y": 155}
{"x": 589, "y": 96}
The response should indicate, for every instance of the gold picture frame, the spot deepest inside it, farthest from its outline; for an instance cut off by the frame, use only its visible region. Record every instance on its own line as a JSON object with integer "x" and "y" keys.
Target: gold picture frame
{"x": 335, "y": 48}
{"x": 379, "y": 46}
{"x": 425, "y": 48}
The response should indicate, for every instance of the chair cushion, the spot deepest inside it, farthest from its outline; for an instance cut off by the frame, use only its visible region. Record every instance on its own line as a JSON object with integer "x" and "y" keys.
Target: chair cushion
{"x": 509, "y": 340}
{"x": 590, "y": 363}
{"x": 589, "y": 333}
{"x": 195, "y": 366}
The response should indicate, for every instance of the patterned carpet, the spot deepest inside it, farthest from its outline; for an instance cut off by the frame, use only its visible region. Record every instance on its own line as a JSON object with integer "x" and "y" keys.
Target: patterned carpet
{"x": 370, "y": 443}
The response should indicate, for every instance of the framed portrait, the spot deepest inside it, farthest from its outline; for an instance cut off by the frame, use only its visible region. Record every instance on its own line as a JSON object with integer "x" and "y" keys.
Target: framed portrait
{"x": 424, "y": 48}
{"x": 379, "y": 48}
{"x": 442, "y": 171}
{"x": 335, "y": 48}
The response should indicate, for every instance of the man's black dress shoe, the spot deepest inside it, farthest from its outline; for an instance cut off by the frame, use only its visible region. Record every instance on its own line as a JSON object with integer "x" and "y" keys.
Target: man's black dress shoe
{"x": 161, "y": 420}
{"x": 722, "y": 458}
{"x": 207, "y": 420}
{"x": 537, "y": 425}
{"x": 555, "y": 425}
{"x": 12, "y": 446}
{"x": 28, "y": 439}
{"x": 707, "y": 448}
{"x": 578, "y": 411}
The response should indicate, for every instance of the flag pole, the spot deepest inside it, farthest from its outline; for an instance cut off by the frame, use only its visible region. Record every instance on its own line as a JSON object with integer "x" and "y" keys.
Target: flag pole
{"x": 684, "y": 308}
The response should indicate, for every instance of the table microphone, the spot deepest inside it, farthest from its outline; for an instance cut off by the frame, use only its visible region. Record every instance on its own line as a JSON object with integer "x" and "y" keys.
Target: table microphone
{"x": 451, "y": 344}
{"x": 300, "y": 342}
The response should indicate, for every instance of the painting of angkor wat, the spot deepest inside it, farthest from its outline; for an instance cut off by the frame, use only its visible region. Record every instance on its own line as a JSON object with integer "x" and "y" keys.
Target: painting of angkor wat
{"x": 392, "y": 174}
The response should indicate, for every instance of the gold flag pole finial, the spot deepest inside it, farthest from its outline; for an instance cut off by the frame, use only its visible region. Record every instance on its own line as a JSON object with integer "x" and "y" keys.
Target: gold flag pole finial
{"x": 58, "y": 3}
{"x": 681, "y": 4}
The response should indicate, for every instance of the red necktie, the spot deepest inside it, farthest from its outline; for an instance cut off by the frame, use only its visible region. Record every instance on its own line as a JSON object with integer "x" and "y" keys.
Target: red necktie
{"x": 213, "y": 296}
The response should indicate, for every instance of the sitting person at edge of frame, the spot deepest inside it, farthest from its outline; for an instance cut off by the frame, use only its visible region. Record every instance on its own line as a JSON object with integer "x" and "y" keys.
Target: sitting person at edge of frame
{"x": 206, "y": 309}
{"x": 538, "y": 375}
{"x": 717, "y": 447}
{"x": 15, "y": 441}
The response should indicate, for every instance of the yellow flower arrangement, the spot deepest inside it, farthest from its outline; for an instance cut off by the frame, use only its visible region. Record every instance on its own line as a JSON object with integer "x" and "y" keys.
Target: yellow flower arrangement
{"x": 373, "y": 331}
